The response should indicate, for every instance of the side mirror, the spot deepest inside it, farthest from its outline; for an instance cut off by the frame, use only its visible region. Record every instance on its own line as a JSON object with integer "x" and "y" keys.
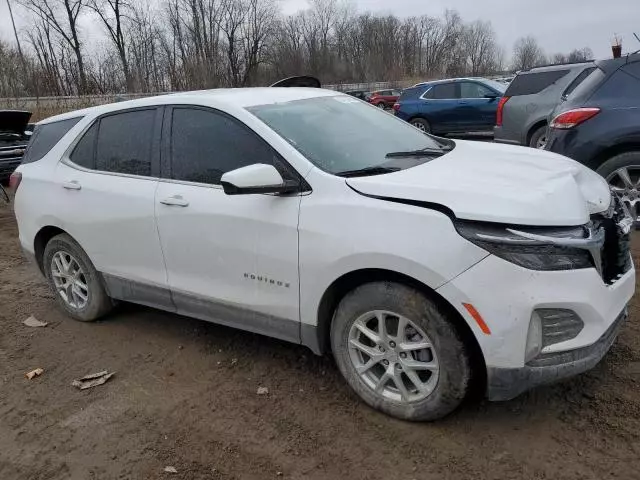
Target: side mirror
{"x": 258, "y": 178}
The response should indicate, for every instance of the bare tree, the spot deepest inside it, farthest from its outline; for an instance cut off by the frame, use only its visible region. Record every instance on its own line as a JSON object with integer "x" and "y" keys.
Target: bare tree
{"x": 527, "y": 54}
{"x": 478, "y": 41}
{"x": 62, "y": 16}
{"x": 112, "y": 15}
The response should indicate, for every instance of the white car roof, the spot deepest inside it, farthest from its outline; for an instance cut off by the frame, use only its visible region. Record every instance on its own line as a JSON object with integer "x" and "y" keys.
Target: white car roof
{"x": 222, "y": 98}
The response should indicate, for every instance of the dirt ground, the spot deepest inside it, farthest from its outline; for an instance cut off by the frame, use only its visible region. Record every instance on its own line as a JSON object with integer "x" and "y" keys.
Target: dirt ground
{"x": 184, "y": 395}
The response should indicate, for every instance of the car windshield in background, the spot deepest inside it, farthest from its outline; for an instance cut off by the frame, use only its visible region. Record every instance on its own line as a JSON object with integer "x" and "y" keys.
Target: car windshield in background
{"x": 501, "y": 87}
{"x": 341, "y": 134}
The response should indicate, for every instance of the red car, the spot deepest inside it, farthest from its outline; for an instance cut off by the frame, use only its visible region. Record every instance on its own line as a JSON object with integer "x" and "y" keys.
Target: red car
{"x": 384, "y": 98}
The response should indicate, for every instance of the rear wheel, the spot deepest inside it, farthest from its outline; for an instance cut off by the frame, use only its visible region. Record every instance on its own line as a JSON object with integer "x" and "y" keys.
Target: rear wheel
{"x": 421, "y": 124}
{"x": 381, "y": 105}
{"x": 539, "y": 138}
{"x": 76, "y": 284}
{"x": 622, "y": 173}
{"x": 399, "y": 352}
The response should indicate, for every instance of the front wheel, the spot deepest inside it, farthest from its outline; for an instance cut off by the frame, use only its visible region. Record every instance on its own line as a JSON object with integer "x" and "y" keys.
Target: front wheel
{"x": 399, "y": 352}
{"x": 76, "y": 284}
{"x": 421, "y": 124}
{"x": 622, "y": 173}
{"x": 381, "y": 105}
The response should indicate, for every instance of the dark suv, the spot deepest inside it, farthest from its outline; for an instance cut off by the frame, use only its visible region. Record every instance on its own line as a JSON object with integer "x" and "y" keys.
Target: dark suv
{"x": 599, "y": 125}
{"x": 522, "y": 117}
{"x": 13, "y": 140}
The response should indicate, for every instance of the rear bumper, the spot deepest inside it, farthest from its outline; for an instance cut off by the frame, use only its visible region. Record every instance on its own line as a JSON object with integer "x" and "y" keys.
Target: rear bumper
{"x": 500, "y": 136}
{"x": 507, "y": 383}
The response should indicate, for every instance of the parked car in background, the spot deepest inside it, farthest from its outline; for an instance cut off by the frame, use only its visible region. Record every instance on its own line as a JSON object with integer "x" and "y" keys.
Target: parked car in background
{"x": 523, "y": 112}
{"x": 426, "y": 266}
{"x": 14, "y": 136}
{"x": 361, "y": 94}
{"x": 451, "y": 106}
{"x": 599, "y": 126}
{"x": 384, "y": 98}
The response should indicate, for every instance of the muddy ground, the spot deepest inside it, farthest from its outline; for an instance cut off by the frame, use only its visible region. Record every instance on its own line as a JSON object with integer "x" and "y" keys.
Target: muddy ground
{"x": 184, "y": 395}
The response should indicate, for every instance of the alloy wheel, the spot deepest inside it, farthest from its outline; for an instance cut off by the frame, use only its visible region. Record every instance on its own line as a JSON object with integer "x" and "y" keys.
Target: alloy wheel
{"x": 70, "y": 280}
{"x": 542, "y": 142}
{"x": 393, "y": 356}
{"x": 625, "y": 182}
{"x": 420, "y": 126}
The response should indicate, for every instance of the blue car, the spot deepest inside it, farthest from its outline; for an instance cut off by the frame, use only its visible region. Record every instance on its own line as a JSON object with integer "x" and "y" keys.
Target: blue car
{"x": 458, "y": 105}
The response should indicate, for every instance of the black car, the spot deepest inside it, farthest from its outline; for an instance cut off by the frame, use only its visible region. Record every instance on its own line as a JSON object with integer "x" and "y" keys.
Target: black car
{"x": 599, "y": 126}
{"x": 361, "y": 94}
{"x": 14, "y": 136}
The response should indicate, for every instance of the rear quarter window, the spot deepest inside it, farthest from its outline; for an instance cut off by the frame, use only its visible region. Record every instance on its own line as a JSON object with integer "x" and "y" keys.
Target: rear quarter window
{"x": 412, "y": 93}
{"x": 45, "y": 137}
{"x": 532, "y": 83}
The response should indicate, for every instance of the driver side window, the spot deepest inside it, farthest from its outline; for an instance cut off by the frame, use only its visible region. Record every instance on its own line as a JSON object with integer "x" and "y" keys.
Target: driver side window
{"x": 474, "y": 90}
{"x": 206, "y": 144}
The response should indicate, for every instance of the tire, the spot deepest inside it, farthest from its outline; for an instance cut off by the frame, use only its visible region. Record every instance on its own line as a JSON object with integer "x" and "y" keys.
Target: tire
{"x": 452, "y": 378}
{"x": 539, "y": 138}
{"x": 381, "y": 105}
{"x": 97, "y": 302}
{"x": 630, "y": 194}
{"x": 421, "y": 124}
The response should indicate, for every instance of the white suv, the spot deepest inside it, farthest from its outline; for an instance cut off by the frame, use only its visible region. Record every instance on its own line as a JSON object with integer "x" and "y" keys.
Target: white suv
{"x": 425, "y": 265}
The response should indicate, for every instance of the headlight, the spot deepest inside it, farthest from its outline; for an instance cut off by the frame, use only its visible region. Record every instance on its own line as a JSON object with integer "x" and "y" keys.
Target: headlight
{"x": 536, "y": 248}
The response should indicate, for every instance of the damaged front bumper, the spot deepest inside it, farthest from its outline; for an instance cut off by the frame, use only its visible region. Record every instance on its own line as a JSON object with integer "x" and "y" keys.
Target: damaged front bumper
{"x": 507, "y": 383}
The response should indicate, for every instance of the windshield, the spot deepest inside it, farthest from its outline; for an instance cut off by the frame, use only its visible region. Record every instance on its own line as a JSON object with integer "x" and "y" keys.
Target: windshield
{"x": 340, "y": 133}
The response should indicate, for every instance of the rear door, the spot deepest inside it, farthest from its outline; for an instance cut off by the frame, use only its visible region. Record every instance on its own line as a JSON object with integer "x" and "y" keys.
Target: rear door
{"x": 230, "y": 259}
{"x": 441, "y": 104}
{"x": 107, "y": 187}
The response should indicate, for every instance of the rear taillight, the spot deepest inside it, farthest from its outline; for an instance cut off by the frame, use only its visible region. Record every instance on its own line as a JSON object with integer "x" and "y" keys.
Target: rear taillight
{"x": 571, "y": 118}
{"x": 14, "y": 181}
{"x": 501, "y": 104}
{"x": 396, "y": 107}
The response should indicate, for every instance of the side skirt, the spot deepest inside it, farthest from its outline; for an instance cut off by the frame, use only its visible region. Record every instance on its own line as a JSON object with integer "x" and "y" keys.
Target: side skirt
{"x": 203, "y": 309}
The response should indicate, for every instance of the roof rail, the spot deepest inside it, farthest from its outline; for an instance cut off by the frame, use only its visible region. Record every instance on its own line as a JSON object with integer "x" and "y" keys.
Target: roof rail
{"x": 558, "y": 64}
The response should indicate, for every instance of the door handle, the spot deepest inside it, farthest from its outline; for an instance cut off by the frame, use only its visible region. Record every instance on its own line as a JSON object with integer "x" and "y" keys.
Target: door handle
{"x": 175, "y": 201}
{"x": 72, "y": 185}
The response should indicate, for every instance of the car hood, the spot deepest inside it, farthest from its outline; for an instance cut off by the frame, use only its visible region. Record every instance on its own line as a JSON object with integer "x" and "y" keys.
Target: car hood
{"x": 14, "y": 121}
{"x": 497, "y": 183}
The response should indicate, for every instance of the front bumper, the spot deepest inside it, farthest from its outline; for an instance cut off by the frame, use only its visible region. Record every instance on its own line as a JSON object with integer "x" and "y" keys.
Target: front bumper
{"x": 505, "y": 295}
{"x": 507, "y": 383}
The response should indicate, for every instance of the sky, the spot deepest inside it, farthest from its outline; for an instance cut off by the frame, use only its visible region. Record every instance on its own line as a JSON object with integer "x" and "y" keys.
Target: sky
{"x": 558, "y": 25}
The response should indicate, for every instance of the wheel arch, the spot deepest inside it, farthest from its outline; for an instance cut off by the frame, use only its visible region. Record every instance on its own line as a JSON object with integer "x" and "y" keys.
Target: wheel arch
{"x": 608, "y": 153}
{"x": 351, "y": 280}
{"x": 532, "y": 129}
{"x": 40, "y": 242}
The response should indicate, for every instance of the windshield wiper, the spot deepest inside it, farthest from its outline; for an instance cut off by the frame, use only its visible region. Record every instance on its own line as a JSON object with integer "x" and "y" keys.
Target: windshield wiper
{"x": 423, "y": 152}
{"x": 363, "y": 172}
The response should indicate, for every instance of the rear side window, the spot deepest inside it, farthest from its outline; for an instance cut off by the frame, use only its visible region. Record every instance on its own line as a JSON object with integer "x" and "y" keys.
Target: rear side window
{"x": 84, "y": 153}
{"x": 206, "y": 144}
{"x": 45, "y": 137}
{"x": 443, "y": 91}
{"x": 119, "y": 143}
{"x": 124, "y": 143}
{"x": 532, "y": 83}
{"x": 577, "y": 81}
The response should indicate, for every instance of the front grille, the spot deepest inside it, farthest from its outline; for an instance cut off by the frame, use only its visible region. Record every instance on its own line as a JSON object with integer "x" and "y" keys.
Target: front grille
{"x": 615, "y": 256}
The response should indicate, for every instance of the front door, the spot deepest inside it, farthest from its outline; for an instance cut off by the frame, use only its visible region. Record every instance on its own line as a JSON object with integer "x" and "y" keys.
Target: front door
{"x": 230, "y": 259}
{"x": 479, "y": 109}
